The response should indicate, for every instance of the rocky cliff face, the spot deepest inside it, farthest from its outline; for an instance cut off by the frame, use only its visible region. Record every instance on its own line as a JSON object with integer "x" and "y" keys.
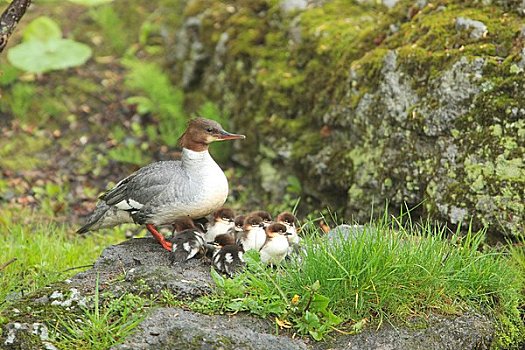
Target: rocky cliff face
{"x": 416, "y": 102}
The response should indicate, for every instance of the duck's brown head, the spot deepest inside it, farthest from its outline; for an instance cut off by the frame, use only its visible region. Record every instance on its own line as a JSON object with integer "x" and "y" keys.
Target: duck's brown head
{"x": 223, "y": 214}
{"x": 201, "y": 132}
{"x": 286, "y": 218}
{"x": 184, "y": 223}
{"x": 252, "y": 221}
{"x": 267, "y": 217}
{"x": 275, "y": 229}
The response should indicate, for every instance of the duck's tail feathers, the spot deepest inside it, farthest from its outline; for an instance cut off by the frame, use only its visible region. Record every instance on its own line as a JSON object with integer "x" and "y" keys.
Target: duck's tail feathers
{"x": 95, "y": 218}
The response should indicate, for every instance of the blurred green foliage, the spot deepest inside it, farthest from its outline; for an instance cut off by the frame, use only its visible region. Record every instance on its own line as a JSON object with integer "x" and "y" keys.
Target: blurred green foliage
{"x": 44, "y": 49}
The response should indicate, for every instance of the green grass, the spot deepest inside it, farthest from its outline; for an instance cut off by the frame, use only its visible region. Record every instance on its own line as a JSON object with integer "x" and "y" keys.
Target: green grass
{"x": 107, "y": 323}
{"x": 44, "y": 252}
{"x": 389, "y": 274}
{"x": 23, "y": 152}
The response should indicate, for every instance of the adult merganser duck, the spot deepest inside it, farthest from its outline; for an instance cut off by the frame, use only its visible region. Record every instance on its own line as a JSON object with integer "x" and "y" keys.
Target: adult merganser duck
{"x": 276, "y": 246}
{"x": 253, "y": 235}
{"x": 162, "y": 192}
{"x": 228, "y": 256}
{"x": 223, "y": 220}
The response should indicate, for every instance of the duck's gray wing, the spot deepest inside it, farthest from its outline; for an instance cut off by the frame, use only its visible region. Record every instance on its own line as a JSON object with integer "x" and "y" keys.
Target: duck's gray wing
{"x": 139, "y": 188}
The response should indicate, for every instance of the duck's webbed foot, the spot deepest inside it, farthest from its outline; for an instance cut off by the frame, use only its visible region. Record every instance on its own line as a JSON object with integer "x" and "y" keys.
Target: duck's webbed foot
{"x": 159, "y": 237}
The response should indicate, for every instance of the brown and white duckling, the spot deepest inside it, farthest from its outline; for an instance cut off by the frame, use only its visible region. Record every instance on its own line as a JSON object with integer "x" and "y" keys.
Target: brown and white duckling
{"x": 253, "y": 235}
{"x": 182, "y": 224}
{"x": 267, "y": 217}
{"x": 228, "y": 256}
{"x": 223, "y": 220}
{"x": 276, "y": 246}
{"x": 288, "y": 219}
{"x": 237, "y": 229}
{"x": 186, "y": 243}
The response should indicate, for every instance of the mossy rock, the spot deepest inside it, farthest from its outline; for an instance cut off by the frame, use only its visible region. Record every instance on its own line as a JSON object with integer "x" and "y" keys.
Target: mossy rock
{"x": 366, "y": 104}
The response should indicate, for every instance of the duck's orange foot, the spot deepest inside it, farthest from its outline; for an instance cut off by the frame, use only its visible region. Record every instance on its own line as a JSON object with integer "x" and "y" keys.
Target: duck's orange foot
{"x": 159, "y": 237}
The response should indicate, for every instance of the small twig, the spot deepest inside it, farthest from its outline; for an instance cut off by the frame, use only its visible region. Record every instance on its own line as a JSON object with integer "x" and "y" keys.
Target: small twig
{"x": 77, "y": 267}
{"x": 10, "y": 18}
{"x": 4, "y": 265}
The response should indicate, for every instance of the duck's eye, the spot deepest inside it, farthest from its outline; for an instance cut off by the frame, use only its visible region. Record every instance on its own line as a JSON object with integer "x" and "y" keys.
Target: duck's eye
{"x": 209, "y": 129}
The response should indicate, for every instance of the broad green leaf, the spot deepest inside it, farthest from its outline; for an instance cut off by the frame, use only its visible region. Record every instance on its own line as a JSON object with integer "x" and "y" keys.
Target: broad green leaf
{"x": 252, "y": 257}
{"x": 8, "y": 74}
{"x": 316, "y": 335}
{"x": 332, "y": 318}
{"x": 43, "y": 56}
{"x": 311, "y": 319}
{"x": 42, "y": 29}
{"x": 319, "y": 302}
{"x": 217, "y": 278}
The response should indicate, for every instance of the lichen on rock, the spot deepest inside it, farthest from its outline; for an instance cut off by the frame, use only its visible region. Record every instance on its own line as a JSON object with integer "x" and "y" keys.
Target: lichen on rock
{"x": 413, "y": 103}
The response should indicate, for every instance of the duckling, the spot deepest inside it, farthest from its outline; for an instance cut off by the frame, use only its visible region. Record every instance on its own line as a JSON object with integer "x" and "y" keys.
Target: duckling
{"x": 228, "y": 256}
{"x": 223, "y": 220}
{"x": 276, "y": 245}
{"x": 253, "y": 235}
{"x": 288, "y": 220}
{"x": 267, "y": 217}
{"x": 182, "y": 224}
{"x": 236, "y": 230}
{"x": 186, "y": 244}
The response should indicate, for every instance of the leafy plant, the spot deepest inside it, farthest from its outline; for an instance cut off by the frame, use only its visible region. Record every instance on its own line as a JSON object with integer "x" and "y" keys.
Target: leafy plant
{"x": 258, "y": 292}
{"x": 18, "y": 153}
{"x": 158, "y": 97}
{"x": 20, "y": 100}
{"x": 312, "y": 315}
{"x": 113, "y": 28}
{"x": 44, "y": 49}
{"x": 8, "y": 74}
{"x": 129, "y": 149}
{"x": 128, "y": 153}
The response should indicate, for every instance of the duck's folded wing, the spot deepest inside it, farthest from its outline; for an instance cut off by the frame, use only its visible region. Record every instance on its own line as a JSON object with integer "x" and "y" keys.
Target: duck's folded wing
{"x": 138, "y": 189}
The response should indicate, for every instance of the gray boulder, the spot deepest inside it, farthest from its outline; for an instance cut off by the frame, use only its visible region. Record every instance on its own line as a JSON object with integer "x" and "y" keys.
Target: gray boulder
{"x": 425, "y": 109}
{"x": 172, "y": 328}
{"x": 146, "y": 267}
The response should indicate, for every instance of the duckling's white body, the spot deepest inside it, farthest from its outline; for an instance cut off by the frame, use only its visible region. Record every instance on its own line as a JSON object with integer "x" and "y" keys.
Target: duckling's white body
{"x": 274, "y": 250}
